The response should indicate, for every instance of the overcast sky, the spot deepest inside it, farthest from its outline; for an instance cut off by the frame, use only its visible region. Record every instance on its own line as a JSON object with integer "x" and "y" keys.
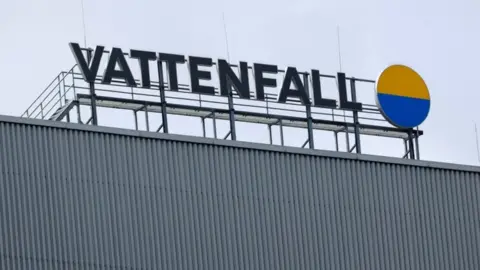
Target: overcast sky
{"x": 440, "y": 39}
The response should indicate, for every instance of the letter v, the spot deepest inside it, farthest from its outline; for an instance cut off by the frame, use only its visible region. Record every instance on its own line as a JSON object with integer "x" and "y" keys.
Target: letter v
{"x": 89, "y": 73}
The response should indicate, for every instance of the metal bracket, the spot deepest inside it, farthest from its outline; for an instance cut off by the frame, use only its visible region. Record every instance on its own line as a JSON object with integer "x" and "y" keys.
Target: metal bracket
{"x": 159, "y": 128}
{"x": 305, "y": 143}
{"x": 228, "y": 134}
{"x": 353, "y": 147}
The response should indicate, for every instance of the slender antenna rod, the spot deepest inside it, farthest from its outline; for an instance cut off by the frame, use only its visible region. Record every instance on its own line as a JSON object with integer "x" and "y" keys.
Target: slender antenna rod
{"x": 84, "y": 28}
{"x": 226, "y": 35}
{"x": 339, "y": 48}
{"x": 231, "y": 106}
{"x": 476, "y": 140}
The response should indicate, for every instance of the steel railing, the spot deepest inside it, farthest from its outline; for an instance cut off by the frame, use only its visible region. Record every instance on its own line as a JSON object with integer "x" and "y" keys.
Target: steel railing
{"x": 66, "y": 85}
{"x": 52, "y": 97}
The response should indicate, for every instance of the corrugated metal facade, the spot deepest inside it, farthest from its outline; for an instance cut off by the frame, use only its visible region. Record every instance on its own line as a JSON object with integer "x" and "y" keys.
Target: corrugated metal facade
{"x": 79, "y": 199}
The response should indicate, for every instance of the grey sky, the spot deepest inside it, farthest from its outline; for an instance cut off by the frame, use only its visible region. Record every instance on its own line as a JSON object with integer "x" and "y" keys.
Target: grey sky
{"x": 440, "y": 39}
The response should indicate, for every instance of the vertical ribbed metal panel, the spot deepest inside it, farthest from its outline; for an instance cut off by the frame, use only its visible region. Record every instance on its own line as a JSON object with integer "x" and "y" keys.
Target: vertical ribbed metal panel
{"x": 73, "y": 199}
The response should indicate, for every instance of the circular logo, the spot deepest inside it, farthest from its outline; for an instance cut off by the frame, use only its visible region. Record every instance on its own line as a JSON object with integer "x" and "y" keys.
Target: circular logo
{"x": 402, "y": 96}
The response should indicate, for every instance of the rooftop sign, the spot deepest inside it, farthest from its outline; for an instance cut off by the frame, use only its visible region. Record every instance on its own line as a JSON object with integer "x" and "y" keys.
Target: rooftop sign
{"x": 402, "y": 96}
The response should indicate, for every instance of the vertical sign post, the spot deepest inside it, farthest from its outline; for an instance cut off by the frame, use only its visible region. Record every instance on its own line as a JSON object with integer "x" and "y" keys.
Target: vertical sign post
{"x": 358, "y": 147}
{"x": 231, "y": 111}
{"x": 92, "y": 91}
{"x": 163, "y": 99}
{"x": 308, "y": 108}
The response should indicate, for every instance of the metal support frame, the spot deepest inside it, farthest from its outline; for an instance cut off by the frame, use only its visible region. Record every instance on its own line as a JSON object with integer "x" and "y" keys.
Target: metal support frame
{"x": 353, "y": 147}
{"x": 335, "y": 135}
{"x": 281, "y": 131}
{"x": 163, "y": 99}
{"x": 146, "y": 118}
{"x": 270, "y": 133}
{"x": 308, "y": 110}
{"x": 410, "y": 144}
{"x": 305, "y": 143}
{"x": 147, "y": 122}
{"x": 211, "y": 114}
{"x": 60, "y": 91}
{"x": 92, "y": 92}
{"x": 214, "y": 125}
{"x": 136, "y": 119}
{"x": 266, "y": 104}
{"x": 311, "y": 121}
{"x": 64, "y": 88}
{"x": 228, "y": 134}
{"x": 347, "y": 137}
{"x": 231, "y": 110}
{"x": 278, "y": 122}
{"x": 159, "y": 128}
{"x": 79, "y": 114}
{"x": 358, "y": 147}
{"x": 408, "y": 149}
{"x": 73, "y": 84}
{"x": 203, "y": 127}
{"x": 417, "y": 146}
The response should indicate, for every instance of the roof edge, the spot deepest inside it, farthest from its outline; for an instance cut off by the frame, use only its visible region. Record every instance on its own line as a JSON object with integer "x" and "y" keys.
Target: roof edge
{"x": 250, "y": 145}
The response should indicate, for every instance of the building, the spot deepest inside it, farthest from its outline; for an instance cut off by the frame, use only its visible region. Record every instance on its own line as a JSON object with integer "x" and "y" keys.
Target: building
{"x": 76, "y": 196}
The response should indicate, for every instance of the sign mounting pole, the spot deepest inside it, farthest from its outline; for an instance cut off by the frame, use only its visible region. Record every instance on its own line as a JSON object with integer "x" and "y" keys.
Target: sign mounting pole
{"x": 89, "y": 60}
{"x": 231, "y": 109}
{"x": 347, "y": 134}
{"x": 92, "y": 92}
{"x": 308, "y": 109}
{"x": 163, "y": 98}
